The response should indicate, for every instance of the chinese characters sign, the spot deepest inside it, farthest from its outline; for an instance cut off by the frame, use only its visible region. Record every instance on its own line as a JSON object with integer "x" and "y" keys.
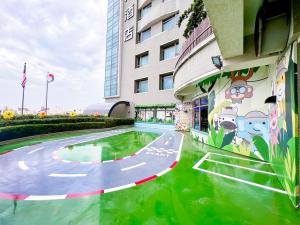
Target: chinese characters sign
{"x": 129, "y": 14}
{"x": 129, "y": 33}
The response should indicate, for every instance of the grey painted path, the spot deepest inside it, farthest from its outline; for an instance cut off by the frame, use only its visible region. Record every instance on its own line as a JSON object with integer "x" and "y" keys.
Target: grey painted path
{"x": 32, "y": 173}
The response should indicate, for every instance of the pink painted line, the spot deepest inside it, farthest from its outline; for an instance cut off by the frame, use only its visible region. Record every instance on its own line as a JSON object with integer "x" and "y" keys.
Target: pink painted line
{"x": 173, "y": 164}
{"x": 12, "y": 197}
{"x": 3, "y": 153}
{"x": 81, "y": 195}
{"x": 145, "y": 180}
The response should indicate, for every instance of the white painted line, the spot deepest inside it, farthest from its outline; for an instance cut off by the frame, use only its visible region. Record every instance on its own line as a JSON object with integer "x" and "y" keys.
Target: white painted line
{"x": 201, "y": 161}
{"x": 132, "y": 167}
{"x": 35, "y": 150}
{"x": 107, "y": 161}
{"x": 180, "y": 148}
{"x": 86, "y": 162}
{"x": 167, "y": 142}
{"x": 243, "y": 181}
{"x": 147, "y": 146}
{"x": 234, "y": 157}
{"x": 66, "y": 161}
{"x": 163, "y": 172}
{"x": 45, "y": 197}
{"x": 20, "y": 148}
{"x": 119, "y": 188}
{"x": 241, "y": 167}
{"x": 66, "y": 175}
{"x": 22, "y": 165}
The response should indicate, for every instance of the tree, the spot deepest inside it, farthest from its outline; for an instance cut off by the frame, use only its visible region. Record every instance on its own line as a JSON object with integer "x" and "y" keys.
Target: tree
{"x": 195, "y": 14}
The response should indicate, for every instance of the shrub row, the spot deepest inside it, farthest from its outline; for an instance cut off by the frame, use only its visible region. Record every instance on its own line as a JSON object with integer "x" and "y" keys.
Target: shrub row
{"x": 12, "y": 132}
{"x": 32, "y": 116}
{"x": 5, "y": 123}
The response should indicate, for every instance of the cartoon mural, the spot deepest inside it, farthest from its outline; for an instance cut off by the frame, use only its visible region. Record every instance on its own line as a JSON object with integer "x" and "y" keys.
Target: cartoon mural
{"x": 254, "y": 123}
{"x": 227, "y": 120}
{"x": 274, "y": 130}
{"x": 239, "y": 89}
{"x": 284, "y": 137}
{"x": 233, "y": 125}
{"x": 247, "y": 125}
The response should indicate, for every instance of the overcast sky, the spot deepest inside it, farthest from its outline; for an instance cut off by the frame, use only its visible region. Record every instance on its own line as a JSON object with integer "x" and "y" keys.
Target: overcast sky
{"x": 64, "y": 37}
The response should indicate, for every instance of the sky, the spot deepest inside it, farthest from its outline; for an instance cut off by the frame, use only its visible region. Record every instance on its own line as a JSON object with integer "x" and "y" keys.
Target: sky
{"x": 63, "y": 37}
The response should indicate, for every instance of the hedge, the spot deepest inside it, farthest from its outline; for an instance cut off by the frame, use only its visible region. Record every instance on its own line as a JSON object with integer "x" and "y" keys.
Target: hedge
{"x": 36, "y": 116}
{"x": 5, "y": 123}
{"x": 12, "y": 132}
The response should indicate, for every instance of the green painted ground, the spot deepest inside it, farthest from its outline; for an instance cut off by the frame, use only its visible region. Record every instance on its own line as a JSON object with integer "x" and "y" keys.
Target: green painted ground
{"x": 109, "y": 148}
{"x": 183, "y": 196}
{"x": 43, "y": 138}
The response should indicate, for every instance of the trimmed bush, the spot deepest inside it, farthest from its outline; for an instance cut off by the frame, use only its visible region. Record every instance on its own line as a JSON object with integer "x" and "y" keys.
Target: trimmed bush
{"x": 32, "y": 116}
{"x": 5, "y": 123}
{"x": 25, "y": 130}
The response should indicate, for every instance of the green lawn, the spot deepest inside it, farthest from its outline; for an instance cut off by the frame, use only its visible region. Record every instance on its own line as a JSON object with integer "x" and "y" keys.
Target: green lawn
{"x": 109, "y": 148}
{"x": 182, "y": 196}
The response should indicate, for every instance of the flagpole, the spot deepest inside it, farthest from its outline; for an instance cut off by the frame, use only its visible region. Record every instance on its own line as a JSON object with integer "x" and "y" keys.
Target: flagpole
{"x": 23, "y": 101}
{"x": 47, "y": 92}
{"x": 23, "y": 95}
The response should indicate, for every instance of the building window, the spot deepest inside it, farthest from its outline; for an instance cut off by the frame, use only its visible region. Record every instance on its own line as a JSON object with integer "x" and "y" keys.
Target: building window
{"x": 141, "y": 86}
{"x": 141, "y": 60}
{"x": 166, "y": 81}
{"x": 169, "y": 50}
{"x": 169, "y": 23}
{"x": 144, "y": 35}
{"x": 159, "y": 115}
{"x": 200, "y": 114}
{"x": 145, "y": 10}
{"x": 112, "y": 49}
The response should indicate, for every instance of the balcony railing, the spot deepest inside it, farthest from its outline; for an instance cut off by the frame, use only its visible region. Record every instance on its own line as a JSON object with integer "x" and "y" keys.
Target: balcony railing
{"x": 203, "y": 31}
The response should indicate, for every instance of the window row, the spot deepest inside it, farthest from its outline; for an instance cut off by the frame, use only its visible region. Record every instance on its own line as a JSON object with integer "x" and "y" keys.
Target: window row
{"x": 167, "y": 24}
{"x": 155, "y": 115}
{"x": 167, "y": 51}
{"x": 165, "y": 83}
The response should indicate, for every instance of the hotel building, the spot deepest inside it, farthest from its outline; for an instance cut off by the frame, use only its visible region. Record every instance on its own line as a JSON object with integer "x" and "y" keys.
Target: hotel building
{"x": 142, "y": 49}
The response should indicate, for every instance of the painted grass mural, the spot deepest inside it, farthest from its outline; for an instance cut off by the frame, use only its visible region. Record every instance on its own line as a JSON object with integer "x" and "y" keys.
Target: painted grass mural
{"x": 284, "y": 142}
{"x": 253, "y": 112}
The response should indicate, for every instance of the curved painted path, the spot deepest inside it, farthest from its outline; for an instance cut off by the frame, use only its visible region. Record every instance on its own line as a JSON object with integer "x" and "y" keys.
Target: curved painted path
{"x": 32, "y": 173}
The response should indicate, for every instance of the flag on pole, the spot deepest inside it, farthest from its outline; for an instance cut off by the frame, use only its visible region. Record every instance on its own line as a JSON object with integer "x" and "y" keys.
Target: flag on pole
{"x": 50, "y": 78}
{"x": 24, "y": 77}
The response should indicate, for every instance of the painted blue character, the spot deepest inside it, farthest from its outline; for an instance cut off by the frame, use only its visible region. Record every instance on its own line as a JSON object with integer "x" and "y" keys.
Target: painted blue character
{"x": 254, "y": 123}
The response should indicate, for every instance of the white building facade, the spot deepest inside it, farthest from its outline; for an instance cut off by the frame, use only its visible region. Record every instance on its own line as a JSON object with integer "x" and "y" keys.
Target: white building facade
{"x": 142, "y": 50}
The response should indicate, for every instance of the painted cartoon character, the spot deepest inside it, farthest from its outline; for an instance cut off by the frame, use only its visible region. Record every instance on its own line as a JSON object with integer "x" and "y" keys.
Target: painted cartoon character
{"x": 239, "y": 89}
{"x": 280, "y": 90}
{"x": 227, "y": 119}
{"x": 274, "y": 130}
{"x": 254, "y": 123}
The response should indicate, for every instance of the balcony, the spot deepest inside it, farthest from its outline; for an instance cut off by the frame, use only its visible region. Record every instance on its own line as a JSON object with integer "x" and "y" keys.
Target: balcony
{"x": 194, "y": 61}
{"x": 158, "y": 12}
{"x": 143, "y": 3}
{"x": 203, "y": 31}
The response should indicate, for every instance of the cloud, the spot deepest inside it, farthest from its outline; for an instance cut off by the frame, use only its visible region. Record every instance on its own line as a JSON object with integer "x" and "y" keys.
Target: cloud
{"x": 66, "y": 38}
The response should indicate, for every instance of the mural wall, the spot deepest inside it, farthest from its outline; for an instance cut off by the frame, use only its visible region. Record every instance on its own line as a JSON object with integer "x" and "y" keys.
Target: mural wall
{"x": 253, "y": 112}
{"x": 283, "y": 116}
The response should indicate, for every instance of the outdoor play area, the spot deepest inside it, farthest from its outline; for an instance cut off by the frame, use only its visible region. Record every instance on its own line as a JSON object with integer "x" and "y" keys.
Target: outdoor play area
{"x": 136, "y": 175}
